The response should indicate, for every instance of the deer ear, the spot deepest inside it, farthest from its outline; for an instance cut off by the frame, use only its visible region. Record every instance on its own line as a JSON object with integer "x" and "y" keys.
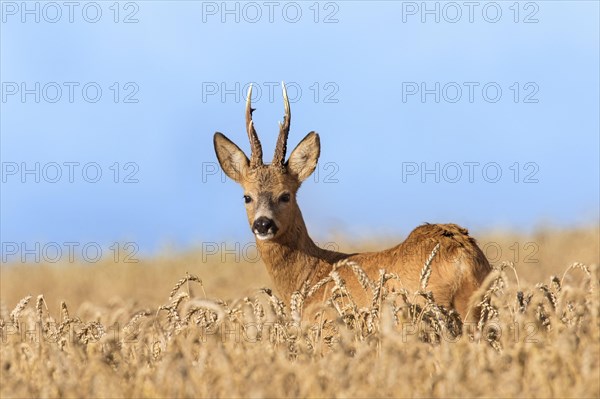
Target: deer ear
{"x": 303, "y": 160}
{"x": 233, "y": 161}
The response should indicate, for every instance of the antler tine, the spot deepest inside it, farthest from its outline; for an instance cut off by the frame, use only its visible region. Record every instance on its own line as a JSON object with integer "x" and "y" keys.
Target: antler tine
{"x": 255, "y": 147}
{"x": 284, "y": 129}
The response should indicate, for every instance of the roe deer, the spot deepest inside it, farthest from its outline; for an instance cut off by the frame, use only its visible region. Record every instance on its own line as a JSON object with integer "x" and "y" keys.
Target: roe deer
{"x": 293, "y": 259}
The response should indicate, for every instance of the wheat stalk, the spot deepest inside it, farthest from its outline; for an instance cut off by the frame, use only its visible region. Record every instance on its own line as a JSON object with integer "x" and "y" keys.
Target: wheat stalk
{"x": 318, "y": 286}
{"x": 426, "y": 271}
{"x": 276, "y": 304}
{"x": 188, "y": 277}
{"x": 14, "y": 315}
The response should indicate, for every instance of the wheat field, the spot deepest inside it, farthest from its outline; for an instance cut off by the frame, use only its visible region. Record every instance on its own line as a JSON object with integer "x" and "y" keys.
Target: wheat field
{"x": 193, "y": 325}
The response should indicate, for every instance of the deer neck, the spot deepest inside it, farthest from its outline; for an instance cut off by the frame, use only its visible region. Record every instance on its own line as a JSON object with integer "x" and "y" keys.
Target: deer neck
{"x": 293, "y": 258}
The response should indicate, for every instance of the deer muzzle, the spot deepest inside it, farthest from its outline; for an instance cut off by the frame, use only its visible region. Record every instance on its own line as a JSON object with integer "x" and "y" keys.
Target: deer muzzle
{"x": 264, "y": 228}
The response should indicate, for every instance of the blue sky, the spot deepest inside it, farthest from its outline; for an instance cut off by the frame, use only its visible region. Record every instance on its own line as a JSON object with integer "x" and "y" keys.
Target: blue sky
{"x": 508, "y": 126}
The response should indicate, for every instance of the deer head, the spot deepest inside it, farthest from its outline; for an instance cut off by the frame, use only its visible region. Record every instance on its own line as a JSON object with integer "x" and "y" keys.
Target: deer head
{"x": 269, "y": 190}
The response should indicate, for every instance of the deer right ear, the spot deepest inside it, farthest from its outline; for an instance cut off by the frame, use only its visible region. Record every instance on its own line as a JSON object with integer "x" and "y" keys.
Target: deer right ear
{"x": 233, "y": 161}
{"x": 303, "y": 159}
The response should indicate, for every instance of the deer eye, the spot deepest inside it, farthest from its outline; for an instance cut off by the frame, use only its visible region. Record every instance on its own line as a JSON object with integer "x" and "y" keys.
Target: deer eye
{"x": 284, "y": 197}
{"x": 247, "y": 199}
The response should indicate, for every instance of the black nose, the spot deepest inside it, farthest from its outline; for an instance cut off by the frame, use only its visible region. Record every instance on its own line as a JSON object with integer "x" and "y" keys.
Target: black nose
{"x": 263, "y": 224}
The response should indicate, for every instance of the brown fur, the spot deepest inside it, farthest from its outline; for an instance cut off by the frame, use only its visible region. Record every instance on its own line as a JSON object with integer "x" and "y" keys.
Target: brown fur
{"x": 292, "y": 258}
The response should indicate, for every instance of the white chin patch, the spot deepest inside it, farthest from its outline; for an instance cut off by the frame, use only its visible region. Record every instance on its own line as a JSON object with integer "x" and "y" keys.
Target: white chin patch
{"x": 267, "y": 236}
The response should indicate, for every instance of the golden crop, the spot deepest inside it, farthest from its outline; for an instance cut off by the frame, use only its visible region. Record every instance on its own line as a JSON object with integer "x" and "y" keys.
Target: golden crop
{"x": 156, "y": 328}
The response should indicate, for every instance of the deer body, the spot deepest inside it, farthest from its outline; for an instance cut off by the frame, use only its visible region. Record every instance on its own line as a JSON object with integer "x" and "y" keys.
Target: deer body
{"x": 458, "y": 268}
{"x": 293, "y": 259}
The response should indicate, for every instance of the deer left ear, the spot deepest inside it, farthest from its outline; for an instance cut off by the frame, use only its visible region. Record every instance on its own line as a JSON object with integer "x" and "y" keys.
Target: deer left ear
{"x": 303, "y": 159}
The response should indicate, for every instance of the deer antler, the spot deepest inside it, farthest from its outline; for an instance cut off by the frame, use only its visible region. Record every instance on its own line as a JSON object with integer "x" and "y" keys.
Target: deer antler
{"x": 255, "y": 147}
{"x": 284, "y": 129}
